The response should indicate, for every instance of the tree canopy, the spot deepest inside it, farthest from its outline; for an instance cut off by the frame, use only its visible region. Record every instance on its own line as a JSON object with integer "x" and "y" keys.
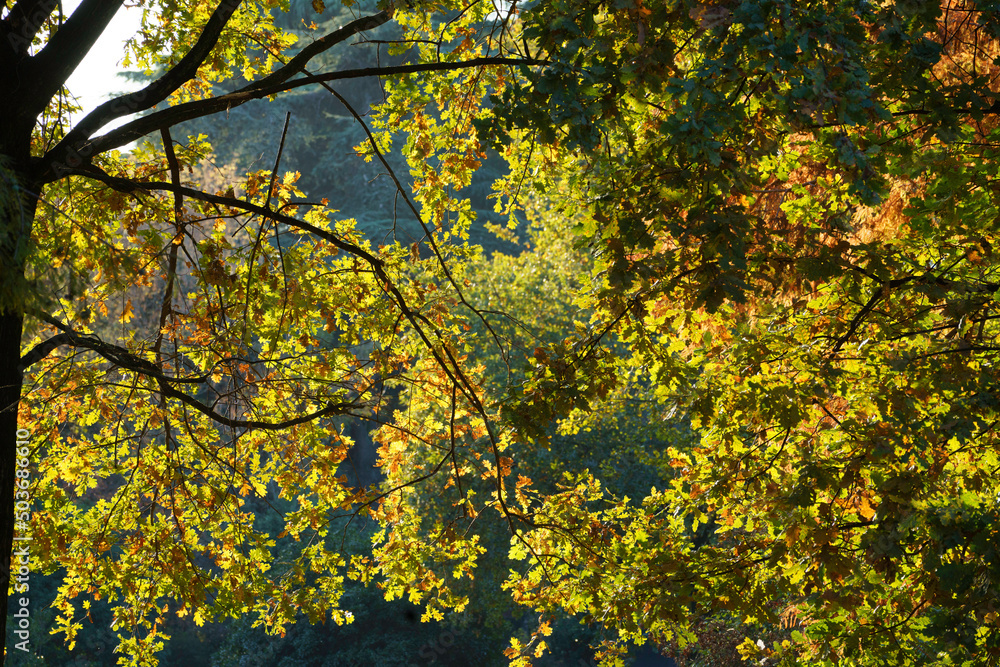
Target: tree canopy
{"x": 733, "y": 362}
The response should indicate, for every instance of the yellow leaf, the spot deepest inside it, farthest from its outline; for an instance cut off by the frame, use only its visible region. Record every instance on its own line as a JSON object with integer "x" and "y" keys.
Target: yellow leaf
{"x": 865, "y": 509}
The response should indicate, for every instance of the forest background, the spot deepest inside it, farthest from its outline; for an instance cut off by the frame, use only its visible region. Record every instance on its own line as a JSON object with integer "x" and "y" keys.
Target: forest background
{"x": 672, "y": 325}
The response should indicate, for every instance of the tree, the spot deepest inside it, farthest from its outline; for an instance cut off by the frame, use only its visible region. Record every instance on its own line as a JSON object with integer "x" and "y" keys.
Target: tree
{"x": 783, "y": 272}
{"x": 792, "y": 206}
{"x": 186, "y": 349}
{"x": 792, "y": 210}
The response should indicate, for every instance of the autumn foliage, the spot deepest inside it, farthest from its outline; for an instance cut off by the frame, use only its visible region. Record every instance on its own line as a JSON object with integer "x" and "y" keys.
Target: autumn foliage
{"x": 731, "y": 385}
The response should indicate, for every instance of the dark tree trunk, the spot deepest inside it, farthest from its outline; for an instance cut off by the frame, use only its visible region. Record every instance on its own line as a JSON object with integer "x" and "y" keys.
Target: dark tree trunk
{"x": 18, "y": 201}
{"x": 17, "y": 208}
{"x": 10, "y": 394}
{"x": 27, "y": 82}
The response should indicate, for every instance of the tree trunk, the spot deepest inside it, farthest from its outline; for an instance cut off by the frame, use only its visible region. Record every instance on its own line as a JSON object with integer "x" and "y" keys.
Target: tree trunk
{"x": 10, "y": 394}
{"x": 18, "y": 201}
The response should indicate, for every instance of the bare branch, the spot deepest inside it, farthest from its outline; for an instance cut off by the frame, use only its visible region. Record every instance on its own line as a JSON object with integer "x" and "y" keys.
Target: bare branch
{"x": 302, "y": 58}
{"x": 126, "y": 185}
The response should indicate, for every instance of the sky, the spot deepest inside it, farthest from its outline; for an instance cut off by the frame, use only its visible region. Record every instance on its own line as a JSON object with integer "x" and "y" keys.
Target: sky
{"x": 95, "y": 79}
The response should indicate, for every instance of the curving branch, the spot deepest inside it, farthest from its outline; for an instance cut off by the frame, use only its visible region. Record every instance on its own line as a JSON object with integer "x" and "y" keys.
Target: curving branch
{"x": 158, "y": 90}
{"x": 441, "y": 352}
{"x": 61, "y": 161}
{"x": 125, "y": 359}
{"x": 130, "y": 186}
{"x": 43, "y": 349}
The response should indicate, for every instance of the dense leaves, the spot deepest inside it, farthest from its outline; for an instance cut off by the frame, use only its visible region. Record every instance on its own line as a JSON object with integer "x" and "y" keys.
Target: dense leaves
{"x": 795, "y": 207}
{"x": 731, "y": 367}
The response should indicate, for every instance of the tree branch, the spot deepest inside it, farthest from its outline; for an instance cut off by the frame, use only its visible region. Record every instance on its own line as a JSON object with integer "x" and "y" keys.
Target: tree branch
{"x": 57, "y": 164}
{"x": 20, "y": 26}
{"x": 302, "y": 58}
{"x": 158, "y": 90}
{"x": 881, "y": 289}
{"x": 441, "y": 354}
{"x": 43, "y": 349}
{"x": 126, "y": 185}
{"x": 49, "y": 69}
{"x": 131, "y": 362}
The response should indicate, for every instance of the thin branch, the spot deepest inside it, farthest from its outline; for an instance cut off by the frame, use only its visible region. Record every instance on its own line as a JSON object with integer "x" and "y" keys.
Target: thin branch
{"x": 423, "y": 225}
{"x": 130, "y": 186}
{"x": 166, "y": 305}
{"x": 277, "y": 160}
{"x": 441, "y": 353}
